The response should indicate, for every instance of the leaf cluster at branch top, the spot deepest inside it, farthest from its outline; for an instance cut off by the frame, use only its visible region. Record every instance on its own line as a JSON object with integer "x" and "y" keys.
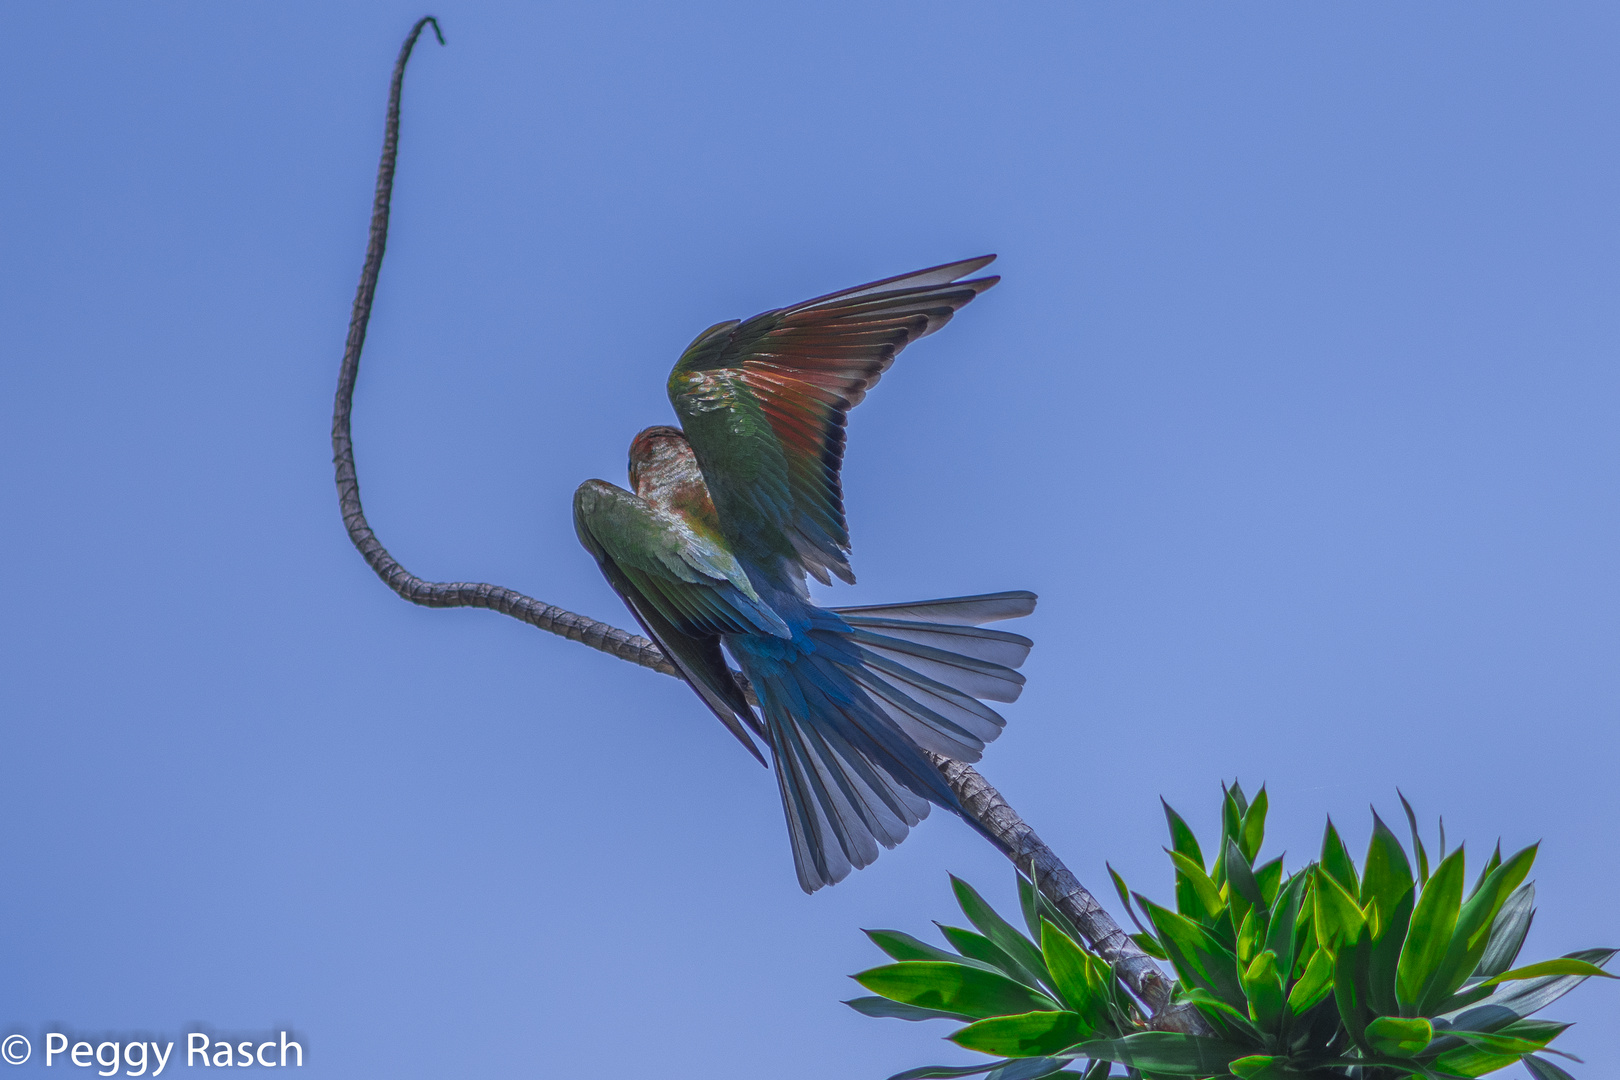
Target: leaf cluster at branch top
{"x": 1376, "y": 972}
{"x": 1021, "y": 1000}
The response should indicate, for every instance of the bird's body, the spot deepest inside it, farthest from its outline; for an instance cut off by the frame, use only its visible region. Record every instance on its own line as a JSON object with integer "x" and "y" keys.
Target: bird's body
{"x": 726, "y": 519}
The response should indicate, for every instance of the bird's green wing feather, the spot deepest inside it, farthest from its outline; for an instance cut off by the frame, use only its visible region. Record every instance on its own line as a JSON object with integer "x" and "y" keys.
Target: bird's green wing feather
{"x": 764, "y": 403}
{"x": 684, "y": 591}
{"x": 691, "y": 580}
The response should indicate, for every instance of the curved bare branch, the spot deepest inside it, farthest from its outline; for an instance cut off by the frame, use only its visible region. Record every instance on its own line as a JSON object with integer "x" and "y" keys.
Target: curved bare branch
{"x": 1014, "y": 837}
{"x": 587, "y": 631}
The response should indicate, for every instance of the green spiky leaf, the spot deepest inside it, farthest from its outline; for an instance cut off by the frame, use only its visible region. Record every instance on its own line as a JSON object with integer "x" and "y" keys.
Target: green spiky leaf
{"x": 1249, "y": 937}
{"x": 1338, "y": 918}
{"x": 1182, "y": 838}
{"x": 1473, "y": 930}
{"x": 944, "y": 1072}
{"x": 1207, "y": 903}
{"x": 1490, "y": 864}
{"x": 1471, "y": 1061}
{"x": 1515, "y": 1001}
{"x": 1069, "y": 965}
{"x": 1417, "y": 841}
{"x": 1199, "y": 958}
{"x": 1282, "y": 930}
{"x": 1263, "y": 985}
{"x": 1508, "y": 933}
{"x": 1239, "y": 800}
{"x": 1150, "y": 945}
{"x": 1124, "y": 896}
{"x": 1384, "y": 955}
{"x": 1239, "y": 872}
{"x": 953, "y": 988}
{"x": 905, "y": 947}
{"x": 1029, "y": 905}
{"x": 1269, "y": 877}
{"x": 1542, "y": 1069}
{"x": 978, "y": 947}
{"x": 1386, "y": 873}
{"x": 1314, "y": 985}
{"x": 1399, "y": 1036}
{"x": 1336, "y": 860}
{"x": 1564, "y": 965}
{"x": 1256, "y": 1067}
{"x": 883, "y": 1007}
{"x": 1232, "y": 814}
{"x": 1164, "y": 1053}
{"x": 1023, "y": 953}
{"x": 1232, "y": 1017}
{"x": 1502, "y": 1042}
{"x": 1350, "y": 985}
{"x": 1429, "y": 937}
{"x": 1252, "y": 832}
{"x": 1028, "y": 1069}
{"x": 1033, "y": 1034}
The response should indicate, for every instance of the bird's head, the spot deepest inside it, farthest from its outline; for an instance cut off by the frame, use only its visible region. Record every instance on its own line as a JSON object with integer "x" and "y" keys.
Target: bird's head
{"x": 659, "y": 454}
{"x": 665, "y": 472}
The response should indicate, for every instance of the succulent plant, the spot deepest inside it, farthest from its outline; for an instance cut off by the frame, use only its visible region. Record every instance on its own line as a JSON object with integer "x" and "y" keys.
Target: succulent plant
{"x": 1336, "y": 971}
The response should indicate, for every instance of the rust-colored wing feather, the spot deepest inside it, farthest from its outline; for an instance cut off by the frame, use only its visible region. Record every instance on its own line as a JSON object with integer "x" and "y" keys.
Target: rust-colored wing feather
{"x": 764, "y": 404}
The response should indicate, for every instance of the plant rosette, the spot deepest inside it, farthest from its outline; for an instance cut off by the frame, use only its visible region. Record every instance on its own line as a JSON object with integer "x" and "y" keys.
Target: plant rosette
{"x": 1385, "y": 970}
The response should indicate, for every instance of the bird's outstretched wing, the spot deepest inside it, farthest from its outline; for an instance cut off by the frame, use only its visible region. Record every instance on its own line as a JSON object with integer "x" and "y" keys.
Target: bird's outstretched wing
{"x": 764, "y": 403}
{"x": 683, "y": 589}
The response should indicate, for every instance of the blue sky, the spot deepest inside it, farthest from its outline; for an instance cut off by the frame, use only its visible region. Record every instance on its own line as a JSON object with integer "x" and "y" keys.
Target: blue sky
{"x": 1297, "y": 405}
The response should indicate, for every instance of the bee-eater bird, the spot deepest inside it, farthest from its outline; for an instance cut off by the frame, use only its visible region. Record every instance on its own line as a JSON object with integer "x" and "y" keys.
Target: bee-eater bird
{"x": 729, "y": 515}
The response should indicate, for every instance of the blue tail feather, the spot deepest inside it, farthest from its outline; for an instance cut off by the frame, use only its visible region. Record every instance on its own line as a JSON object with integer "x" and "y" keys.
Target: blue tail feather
{"x": 854, "y": 703}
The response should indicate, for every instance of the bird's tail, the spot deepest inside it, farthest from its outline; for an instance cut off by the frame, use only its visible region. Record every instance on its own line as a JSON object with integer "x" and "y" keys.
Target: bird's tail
{"x": 850, "y": 719}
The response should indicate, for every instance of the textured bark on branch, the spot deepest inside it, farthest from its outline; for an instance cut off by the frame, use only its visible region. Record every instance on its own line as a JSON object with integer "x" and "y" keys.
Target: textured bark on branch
{"x": 1040, "y": 863}
{"x": 1015, "y": 838}
{"x": 598, "y": 635}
